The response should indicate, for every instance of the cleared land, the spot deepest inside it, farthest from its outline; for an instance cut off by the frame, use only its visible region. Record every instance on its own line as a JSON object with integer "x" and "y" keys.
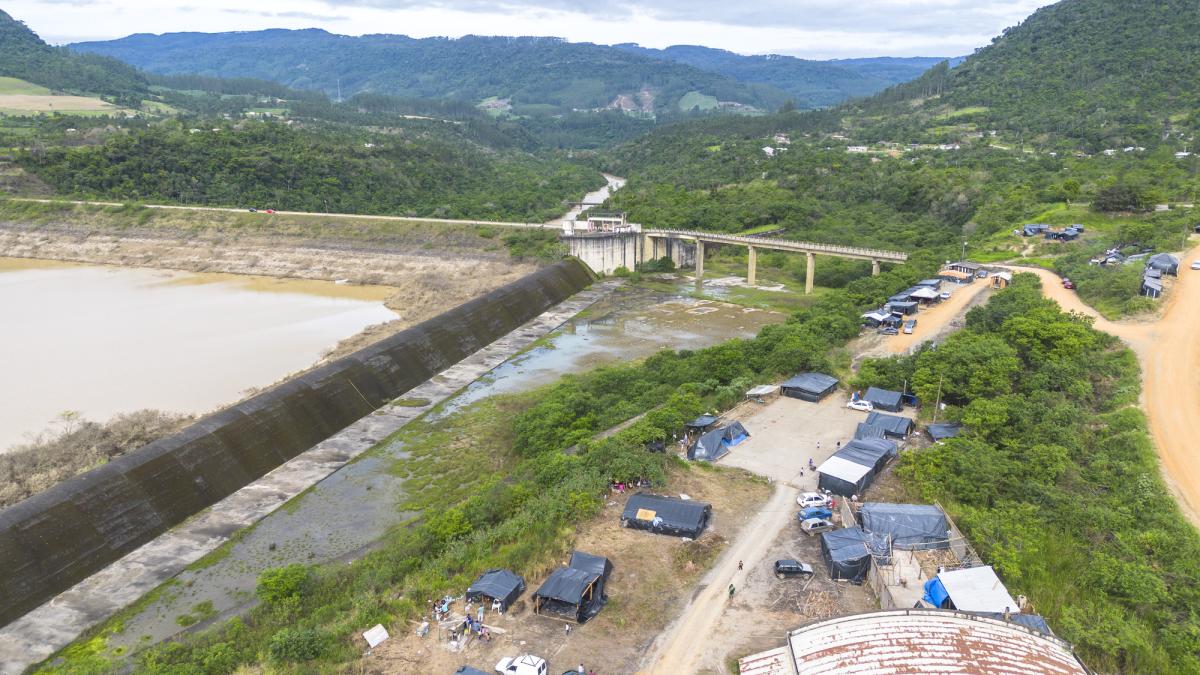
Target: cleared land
{"x": 23, "y": 104}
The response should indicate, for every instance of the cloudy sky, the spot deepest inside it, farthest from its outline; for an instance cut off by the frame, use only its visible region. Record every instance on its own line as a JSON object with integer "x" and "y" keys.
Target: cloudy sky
{"x": 806, "y": 28}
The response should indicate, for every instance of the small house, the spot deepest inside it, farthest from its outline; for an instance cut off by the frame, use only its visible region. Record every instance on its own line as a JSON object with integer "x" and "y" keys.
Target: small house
{"x": 497, "y": 585}
{"x": 810, "y": 387}
{"x": 1001, "y": 279}
{"x": 966, "y": 266}
{"x": 666, "y": 515}
{"x": 884, "y": 399}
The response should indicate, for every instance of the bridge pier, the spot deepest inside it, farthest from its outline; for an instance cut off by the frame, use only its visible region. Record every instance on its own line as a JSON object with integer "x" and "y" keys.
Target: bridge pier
{"x": 874, "y": 268}
{"x": 699, "y": 260}
{"x": 810, "y": 268}
{"x": 752, "y": 267}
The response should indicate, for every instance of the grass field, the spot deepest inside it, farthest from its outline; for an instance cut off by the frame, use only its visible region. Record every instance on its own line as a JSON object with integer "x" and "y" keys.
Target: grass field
{"x": 694, "y": 99}
{"x": 14, "y": 86}
{"x": 29, "y": 104}
{"x": 961, "y": 112}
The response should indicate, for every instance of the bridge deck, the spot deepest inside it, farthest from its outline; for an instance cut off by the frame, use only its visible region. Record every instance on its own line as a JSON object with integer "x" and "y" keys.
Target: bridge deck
{"x": 782, "y": 245}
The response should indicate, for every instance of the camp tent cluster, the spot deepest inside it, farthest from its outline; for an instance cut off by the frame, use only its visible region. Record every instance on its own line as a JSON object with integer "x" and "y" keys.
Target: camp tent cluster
{"x": 852, "y": 468}
{"x": 666, "y": 515}
{"x": 576, "y": 592}
{"x": 715, "y": 444}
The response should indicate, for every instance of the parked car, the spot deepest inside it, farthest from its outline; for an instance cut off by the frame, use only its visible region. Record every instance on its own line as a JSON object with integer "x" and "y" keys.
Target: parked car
{"x": 944, "y": 295}
{"x": 813, "y": 499}
{"x": 252, "y": 210}
{"x": 981, "y": 274}
{"x": 1068, "y": 284}
{"x": 889, "y": 330}
{"x": 814, "y": 526}
{"x": 792, "y": 568}
{"x": 814, "y": 512}
{"x": 909, "y": 326}
{"x": 1196, "y": 265}
{"x": 270, "y": 211}
{"x": 527, "y": 664}
{"x": 861, "y": 405}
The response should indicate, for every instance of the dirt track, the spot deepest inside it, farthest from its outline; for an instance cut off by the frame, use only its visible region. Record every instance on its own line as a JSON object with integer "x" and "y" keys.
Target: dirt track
{"x": 1169, "y": 353}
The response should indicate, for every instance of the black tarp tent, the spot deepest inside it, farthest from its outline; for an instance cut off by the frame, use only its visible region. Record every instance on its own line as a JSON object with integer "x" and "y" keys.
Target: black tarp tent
{"x": 715, "y": 444}
{"x": 911, "y": 527}
{"x": 905, "y": 308}
{"x": 497, "y": 584}
{"x": 852, "y": 468}
{"x": 884, "y": 399}
{"x": 701, "y": 422}
{"x": 574, "y": 593}
{"x": 1163, "y": 262}
{"x": 846, "y": 554}
{"x": 867, "y": 431}
{"x": 893, "y": 425}
{"x": 940, "y": 432}
{"x": 810, "y": 387}
{"x": 666, "y": 515}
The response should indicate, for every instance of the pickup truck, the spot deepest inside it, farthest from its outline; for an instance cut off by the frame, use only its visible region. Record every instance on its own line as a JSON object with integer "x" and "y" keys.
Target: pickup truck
{"x": 526, "y": 664}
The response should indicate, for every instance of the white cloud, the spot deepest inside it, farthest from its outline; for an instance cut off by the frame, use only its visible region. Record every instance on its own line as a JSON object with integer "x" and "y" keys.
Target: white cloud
{"x": 808, "y": 28}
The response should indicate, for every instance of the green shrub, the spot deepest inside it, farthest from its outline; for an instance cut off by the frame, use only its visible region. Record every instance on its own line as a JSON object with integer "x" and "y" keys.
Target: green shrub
{"x": 298, "y": 644}
{"x": 281, "y": 583}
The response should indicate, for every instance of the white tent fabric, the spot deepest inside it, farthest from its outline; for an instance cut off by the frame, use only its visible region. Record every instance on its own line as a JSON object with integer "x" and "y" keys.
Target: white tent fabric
{"x": 843, "y": 469}
{"x": 977, "y": 589}
{"x": 924, "y": 293}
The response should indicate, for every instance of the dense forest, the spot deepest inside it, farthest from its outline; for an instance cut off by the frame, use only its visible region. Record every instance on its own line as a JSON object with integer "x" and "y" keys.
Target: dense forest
{"x": 1056, "y": 481}
{"x": 326, "y": 169}
{"x": 23, "y": 55}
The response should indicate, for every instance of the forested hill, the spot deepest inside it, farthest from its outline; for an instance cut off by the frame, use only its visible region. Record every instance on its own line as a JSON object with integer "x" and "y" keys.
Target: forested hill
{"x": 1108, "y": 72}
{"x": 522, "y": 75}
{"x": 811, "y": 84}
{"x": 23, "y": 55}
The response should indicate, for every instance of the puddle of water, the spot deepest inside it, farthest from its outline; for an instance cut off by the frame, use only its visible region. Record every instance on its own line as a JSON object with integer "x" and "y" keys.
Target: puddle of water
{"x": 106, "y": 340}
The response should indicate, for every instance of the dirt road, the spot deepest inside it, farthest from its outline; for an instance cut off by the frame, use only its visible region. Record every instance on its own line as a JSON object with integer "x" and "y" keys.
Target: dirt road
{"x": 932, "y": 321}
{"x": 1169, "y": 353}
{"x": 676, "y": 649}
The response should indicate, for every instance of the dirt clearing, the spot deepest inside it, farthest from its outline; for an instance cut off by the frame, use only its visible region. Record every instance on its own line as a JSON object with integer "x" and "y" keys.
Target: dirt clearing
{"x": 653, "y": 577}
{"x": 32, "y": 103}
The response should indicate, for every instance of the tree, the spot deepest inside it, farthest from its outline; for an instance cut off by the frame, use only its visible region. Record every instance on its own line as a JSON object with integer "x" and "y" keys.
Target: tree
{"x": 1121, "y": 197}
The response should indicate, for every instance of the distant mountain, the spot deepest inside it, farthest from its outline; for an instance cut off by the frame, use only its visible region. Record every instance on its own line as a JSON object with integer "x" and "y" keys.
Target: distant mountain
{"x": 811, "y": 84}
{"x": 1104, "y": 71}
{"x": 520, "y": 75}
{"x": 24, "y": 55}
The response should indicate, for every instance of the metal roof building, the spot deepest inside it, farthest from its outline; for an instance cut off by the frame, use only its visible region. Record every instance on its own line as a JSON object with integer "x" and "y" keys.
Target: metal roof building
{"x": 923, "y": 641}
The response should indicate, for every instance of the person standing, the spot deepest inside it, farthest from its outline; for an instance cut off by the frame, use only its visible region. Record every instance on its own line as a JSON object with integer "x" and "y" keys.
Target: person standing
{"x": 480, "y": 612}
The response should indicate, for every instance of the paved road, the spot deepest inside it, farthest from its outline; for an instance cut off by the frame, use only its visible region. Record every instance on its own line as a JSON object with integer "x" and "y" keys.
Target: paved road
{"x": 1169, "y": 352}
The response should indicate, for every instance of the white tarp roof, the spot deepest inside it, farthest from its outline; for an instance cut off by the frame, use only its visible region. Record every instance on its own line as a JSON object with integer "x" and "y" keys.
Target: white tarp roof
{"x": 924, "y": 293}
{"x": 843, "y": 469}
{"x": 977, "y": 589}
{"x": 763, "y": 390}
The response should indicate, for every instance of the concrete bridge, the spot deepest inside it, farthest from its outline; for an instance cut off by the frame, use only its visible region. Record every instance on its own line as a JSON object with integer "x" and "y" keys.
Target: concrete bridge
{"x": 606, "y": 251}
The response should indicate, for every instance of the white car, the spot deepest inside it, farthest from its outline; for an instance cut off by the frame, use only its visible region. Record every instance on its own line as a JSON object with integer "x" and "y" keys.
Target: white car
{"x": 1196, "y": 265}
{"x": 944, "y": 295}
{"x": 812, "y": 499}
{"x": 522, "y": 665}
{"x": 861, "y": 405}
{"x": 814, "y": 526}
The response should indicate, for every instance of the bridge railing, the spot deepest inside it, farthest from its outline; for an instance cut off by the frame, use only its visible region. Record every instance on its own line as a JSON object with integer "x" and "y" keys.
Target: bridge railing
{"x": 784, "y": 243}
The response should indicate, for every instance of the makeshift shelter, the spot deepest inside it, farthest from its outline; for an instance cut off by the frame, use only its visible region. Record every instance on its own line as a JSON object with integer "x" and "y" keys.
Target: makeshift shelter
{"x": 965, "y": 266}
{"x": 1151, "y": 288}
{"x": 1031, "y": 621}
{"x": 957, "y": 276}
{"x": 1034, "y": 229}
{"x": 847, "y": 554}
{"x": 810, "y": 387}
{"x": 884, "y": 399}
{"x": 734, "y": 433}
{"x": 1163, "y": 262}
{"x": 666, "y": 515}
{"x": 904, "y": 308}
{"x": 710, "y": 447}
{"x": 911, "y": 527}
{"x": 877, "y": 318}
{"x": 975, "y": 589}
{"x": 497, "y": 585}
{"x": 852, "y": 468}
{"x": 574, "y": 593}
{"x": 763, "y": 393}
{"x": 925, "y": 294}
{"x": 930, "y": 283}
{"x": 867, "y": 431}
{"x": 940, "y": 432}
{"x": 894, "y": 426}
{"x": 1001, "y": 279}
{"x": 701, "y": 423}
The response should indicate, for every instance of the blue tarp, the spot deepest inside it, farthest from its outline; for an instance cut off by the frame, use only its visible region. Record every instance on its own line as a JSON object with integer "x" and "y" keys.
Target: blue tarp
{"x": 935, "y": 592}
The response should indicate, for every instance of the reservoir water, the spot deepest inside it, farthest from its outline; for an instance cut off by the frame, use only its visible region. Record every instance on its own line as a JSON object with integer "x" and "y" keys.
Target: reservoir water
{"x": 105, "y": 340}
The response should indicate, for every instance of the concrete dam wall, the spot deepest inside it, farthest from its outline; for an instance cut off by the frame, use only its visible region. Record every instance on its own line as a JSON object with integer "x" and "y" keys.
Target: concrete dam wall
{"x": 57, "y": 538}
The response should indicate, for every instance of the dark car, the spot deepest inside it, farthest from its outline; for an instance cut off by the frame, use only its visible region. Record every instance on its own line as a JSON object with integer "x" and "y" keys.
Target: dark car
{"x": 785, "y": 569}
{"x": 252, "y": 210}
{"x": 889, "y": 330}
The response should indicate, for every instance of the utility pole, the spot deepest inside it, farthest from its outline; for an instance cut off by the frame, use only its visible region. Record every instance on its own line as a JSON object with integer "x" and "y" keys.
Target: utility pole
{"x": 964, "y": 253}
{"x": 937, "y": 406}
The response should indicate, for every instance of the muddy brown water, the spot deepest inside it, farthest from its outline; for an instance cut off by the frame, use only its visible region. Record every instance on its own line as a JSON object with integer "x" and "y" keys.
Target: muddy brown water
{"x": 103, "y": 340}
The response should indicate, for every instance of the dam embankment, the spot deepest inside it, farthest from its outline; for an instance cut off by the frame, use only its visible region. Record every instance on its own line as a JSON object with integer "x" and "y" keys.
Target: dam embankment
{"x": 57, "y": 538}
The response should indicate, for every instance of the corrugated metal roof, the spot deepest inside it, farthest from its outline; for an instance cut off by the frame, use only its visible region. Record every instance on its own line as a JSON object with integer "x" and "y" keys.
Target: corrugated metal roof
{"x": 773, "y": 662}
{"x": 927, "y": 641}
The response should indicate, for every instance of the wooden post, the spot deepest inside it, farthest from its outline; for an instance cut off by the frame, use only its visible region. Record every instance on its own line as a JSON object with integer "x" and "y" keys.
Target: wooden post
{"x": 809, "y": 269}
{"x": 752, "y": 268}
{"x": 874, "y": 268}
{"x": 699, "y": 260}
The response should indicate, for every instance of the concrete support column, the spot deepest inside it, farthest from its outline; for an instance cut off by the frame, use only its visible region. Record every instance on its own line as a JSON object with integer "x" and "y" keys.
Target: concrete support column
{"x": 752, "y": 267}
{"x": 874, "y": 268}
{"x": 809, "y": 269}
{"x": 699, "y": 260}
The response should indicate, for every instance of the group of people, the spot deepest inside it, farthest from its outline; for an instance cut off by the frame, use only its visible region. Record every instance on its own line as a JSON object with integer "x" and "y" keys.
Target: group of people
{"x": 619, "y": 487}
{"x": 470, "y": 625}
